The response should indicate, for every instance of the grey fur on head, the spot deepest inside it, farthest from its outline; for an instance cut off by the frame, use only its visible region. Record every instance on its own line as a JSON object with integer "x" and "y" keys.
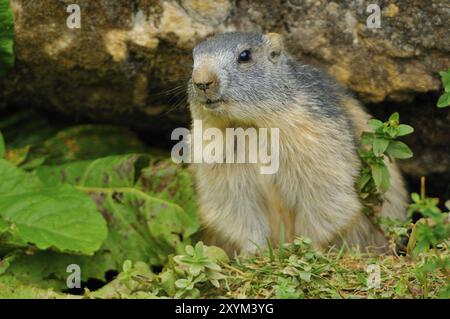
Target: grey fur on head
{"x": 262, "y": 84}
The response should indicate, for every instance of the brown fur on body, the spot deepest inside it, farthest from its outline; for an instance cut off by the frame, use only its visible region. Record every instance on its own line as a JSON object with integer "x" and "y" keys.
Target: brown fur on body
{"x": 313, "y": 193}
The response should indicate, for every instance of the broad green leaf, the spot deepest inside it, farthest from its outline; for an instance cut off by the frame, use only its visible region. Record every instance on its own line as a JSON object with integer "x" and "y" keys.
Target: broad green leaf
{"x": 114, "y": 171}
{"x": 43, "y": 216}
{"x": 379, "y": 146}
{"x": 400, "y": 150}
{"x": 111, "y": 171}
{"x": 32, "y": 164}
{"x": 48, "y": 269}
{"x": 14, "y": 180}
{"x": 61, "y": 218}
{"x": 404, "y": 129}
{"x": 17, "y": 156}
{"x": 88, "y": 142}
{"x": 11, "y": 288}
{"x": 151, "y": 227}
{"x": 71, "y": 173}
{"x": 149, "y": 207}
{"x": 21, "y": 132}
{"x": 147, "y": 220}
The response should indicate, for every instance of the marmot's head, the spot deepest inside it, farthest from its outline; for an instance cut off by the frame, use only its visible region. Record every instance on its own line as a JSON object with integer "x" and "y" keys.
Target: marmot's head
{"x": 239, "y": 75}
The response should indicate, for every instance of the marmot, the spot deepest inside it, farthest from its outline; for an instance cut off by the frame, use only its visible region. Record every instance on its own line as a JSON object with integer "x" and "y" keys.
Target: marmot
{"x": 242, "y": 79}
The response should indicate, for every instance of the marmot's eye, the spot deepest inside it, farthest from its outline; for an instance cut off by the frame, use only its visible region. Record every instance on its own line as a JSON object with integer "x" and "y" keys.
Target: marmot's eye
{"x": 244, "y": 56}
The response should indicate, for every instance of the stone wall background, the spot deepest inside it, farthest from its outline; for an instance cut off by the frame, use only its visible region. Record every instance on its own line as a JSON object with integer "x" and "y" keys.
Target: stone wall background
{"x": 130, "y": 60}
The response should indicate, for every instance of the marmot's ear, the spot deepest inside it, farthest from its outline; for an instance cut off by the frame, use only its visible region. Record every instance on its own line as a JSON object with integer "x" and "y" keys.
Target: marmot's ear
{"x": 275, "y": 45}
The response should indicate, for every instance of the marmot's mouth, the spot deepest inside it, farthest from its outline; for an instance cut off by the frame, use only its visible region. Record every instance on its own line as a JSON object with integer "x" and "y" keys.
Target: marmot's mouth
{"x": 212, "y": 104}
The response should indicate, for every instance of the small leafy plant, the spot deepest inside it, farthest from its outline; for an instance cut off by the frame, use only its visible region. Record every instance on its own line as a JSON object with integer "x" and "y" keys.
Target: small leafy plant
{"x": 444, "y": 100}
{"x": 430, "y": 235}
{"x": 376, "y": 146}
{"x": 198, "y": 265}
{"x": 184, "y": 276}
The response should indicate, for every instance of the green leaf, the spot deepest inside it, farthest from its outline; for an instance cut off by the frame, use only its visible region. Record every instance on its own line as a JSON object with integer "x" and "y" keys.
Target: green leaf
{"x": 415, "y": 197}
{"x": 305, "y": 275}
{"x": 53, "y": 175}
{"x": 148, "y": 205}
{"x": 404, "y": 129}
{"x": 150, "y": 211}
{"x": 380, "y": 176}
{"x": 392, "y": 131}
{"x": 375, "y": 124}
{"x": 363, "y": 180}
{"x": 58, "y": 217}
{"x": 199, "y": 249}
{"x": 114, "y": 171}
{"x": 377, "y": 175}
{"x": 394, "y": 117}
{"x": 400, "y": 150}
{"x": 367, "y": 138}
{"x": 17, "y": 156}
{"x": 172, "y": 183}
{"x": 62, "y": 218}
{"x": 11, "y": 288}
{"x": 127, "y": 265}
{"x": 445, "y": 75}
{"x": 379, "y": 146}
{"x": 386, "y": 181}
{"x": 444, "y": 100}
{"x": 48, "y": 265}
{"x": 190, "y": 250}
{"x": 86, "y": 142}
{"x": 216, "y": 254}
{"x": 6, "y": 37}
{"x": 14, "y": 180}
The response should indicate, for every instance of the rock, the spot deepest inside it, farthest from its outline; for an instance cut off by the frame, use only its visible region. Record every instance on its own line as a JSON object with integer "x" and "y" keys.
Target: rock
{"x": 127, "y": 53}
{"x": 130, "y": 60}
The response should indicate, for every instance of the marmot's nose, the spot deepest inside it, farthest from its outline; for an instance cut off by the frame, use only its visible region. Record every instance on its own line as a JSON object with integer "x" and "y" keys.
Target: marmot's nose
{"x": 203, "y": 86}
{"x": 205, "y": 79}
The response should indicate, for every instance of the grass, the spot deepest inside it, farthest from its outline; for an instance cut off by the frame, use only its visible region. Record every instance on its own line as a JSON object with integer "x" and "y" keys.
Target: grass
{"x": 298, "y": 272}
{"x": 332, "y": 276}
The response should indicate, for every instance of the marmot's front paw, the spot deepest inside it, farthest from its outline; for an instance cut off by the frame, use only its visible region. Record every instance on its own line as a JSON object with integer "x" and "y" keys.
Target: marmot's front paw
{"x": 250, "y": 249}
